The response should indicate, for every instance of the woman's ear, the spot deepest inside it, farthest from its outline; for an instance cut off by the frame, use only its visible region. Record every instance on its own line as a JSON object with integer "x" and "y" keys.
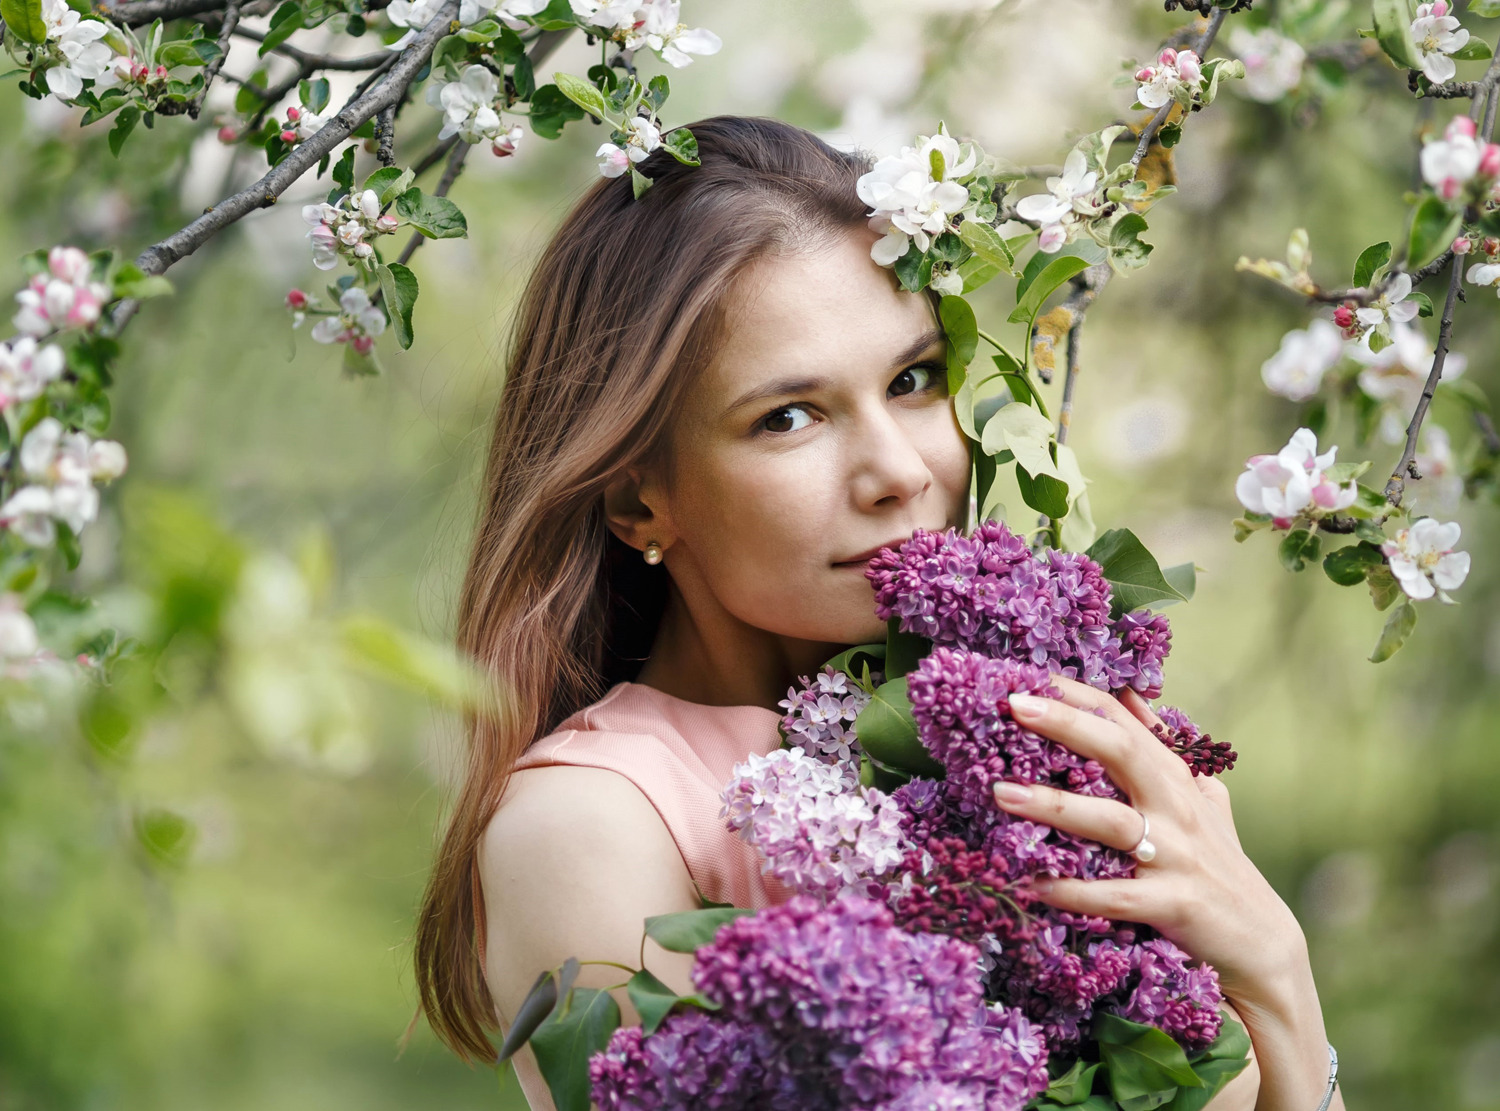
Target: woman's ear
{"x": 635, "y": 510}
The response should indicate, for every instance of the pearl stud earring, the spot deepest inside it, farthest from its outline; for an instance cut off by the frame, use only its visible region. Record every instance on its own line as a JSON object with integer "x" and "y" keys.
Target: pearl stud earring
{"x": 652, "y": 554}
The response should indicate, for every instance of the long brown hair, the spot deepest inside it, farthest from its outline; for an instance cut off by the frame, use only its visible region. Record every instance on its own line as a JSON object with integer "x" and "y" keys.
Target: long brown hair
{"x": 625, "y": 306}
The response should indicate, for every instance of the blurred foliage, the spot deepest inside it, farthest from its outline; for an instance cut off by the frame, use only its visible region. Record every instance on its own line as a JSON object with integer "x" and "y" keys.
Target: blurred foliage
{"x": 208, "y": 869}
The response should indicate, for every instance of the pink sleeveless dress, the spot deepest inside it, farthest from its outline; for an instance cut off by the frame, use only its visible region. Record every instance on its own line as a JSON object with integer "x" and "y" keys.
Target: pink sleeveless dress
{"x": 680, "y": 755}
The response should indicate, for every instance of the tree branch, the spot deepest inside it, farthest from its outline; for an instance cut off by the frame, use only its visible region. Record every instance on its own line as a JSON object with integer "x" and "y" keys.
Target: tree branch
{"x": 231, "y": 20}
{"x": 354, "y": 63}
{"x": 1397, "y": 484}
{"x": 137, "y": 12}
{"x": 1210, "y": 32}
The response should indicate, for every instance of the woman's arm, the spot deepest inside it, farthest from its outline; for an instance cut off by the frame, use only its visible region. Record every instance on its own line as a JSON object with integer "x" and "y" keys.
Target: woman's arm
{"x": 572, "y": 864}
{"x": 1201, "y": 890}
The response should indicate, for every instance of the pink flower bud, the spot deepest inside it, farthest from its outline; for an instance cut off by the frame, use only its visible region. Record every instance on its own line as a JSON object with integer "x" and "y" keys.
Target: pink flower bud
{"x": 1489, "y": 161}
{"x": 1188, "y": 67}
{"x": 1462, "y": 245}
{"x": 227, "y": 134}
{"x": 141, "y": 72}
{"x": 288, "y": 137}
{"x": 296, "y": 299}
{"x": 1491, "y": 245}
{"x": 1167, "y": 57}
{"x": 69, "y": 264}
{"x": 1343, "y": 316}
{"x": 161, "y": 73}
{"x": 387, "y": 223}
{"x": 1449, "y": 189}
{"x": 1145, "y": 74}
{"x": 1459, "y": 125}
{"x": 85, "y": 308}
{"x": 294, "y": 113}
{"x": 362, "y": 344}
{"x": 1281, "y": 522}
{"x": 1440, "y": 8}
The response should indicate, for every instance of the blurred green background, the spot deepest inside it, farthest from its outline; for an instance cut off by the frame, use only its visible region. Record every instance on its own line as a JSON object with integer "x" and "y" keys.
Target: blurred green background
{"x": 209, "y": 904}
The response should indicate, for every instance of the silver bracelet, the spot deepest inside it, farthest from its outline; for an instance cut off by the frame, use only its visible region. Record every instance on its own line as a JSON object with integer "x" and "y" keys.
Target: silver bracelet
{"x": 1333, "y": 1077}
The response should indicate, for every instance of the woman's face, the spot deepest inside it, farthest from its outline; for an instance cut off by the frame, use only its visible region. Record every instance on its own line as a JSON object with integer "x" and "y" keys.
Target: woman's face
{"x": 822, "y": 432}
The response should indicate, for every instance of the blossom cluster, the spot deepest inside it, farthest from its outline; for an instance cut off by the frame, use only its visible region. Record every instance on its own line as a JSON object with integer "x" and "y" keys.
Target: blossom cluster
{"x": 1422, "y": 558}
{"x": 65, "y": 295}
{"x": 1176, "y": 75}
{"x": 61, "y": 468}
{"x": 1273, "y": 62}
{"x": 1458, "y": 166}
{"x": 1436, "y": 34}
{"x": 656, "y": 24}
{"x": 468, "y": 106}
{"x": 820, "y": 714}
{"x": 346, "y": 228}
{"x": 78, "y": 54}
{"x": 416, "y": 14}
{"x": 1293, "y": 483}
{"x": 828, "y": 1007}
{"x": 989, "y": 593}
{"x": 816, "y": 833}
{"x": 356, "y": 322}
{"x": 1070, "y": 200}
{"x": 641, "y": 137}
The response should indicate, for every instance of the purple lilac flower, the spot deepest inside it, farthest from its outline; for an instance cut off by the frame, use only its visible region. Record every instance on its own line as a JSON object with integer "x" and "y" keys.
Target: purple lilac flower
{"x": 816, "y": 830}
{"x": 828, "y": 1007}
{"x": 820, "y": 714}
{"x": 1203, "y": 754}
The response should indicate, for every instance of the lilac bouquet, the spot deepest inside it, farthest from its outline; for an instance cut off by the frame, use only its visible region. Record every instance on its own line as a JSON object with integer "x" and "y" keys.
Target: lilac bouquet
{"x": 912, "y": 969}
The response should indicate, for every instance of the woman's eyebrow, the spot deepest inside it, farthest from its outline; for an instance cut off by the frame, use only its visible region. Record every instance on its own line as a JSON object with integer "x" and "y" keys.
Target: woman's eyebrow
{"x": 781, "y": 387}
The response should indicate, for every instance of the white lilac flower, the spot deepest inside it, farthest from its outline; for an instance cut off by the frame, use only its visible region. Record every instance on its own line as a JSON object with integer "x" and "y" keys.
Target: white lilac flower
{"x": 77, "y": 40}
{"x": 1390, "y": 308}
{"x": 468, "y": 105}
{"x": 657, "y": 25}
{"x": 816, "y": 829}
{"x": 62, "y": 297}
{"x": 357, "y": 324}
{"x": 1437, "y": 34}
{"x": 1273, "y": 62}
{"x": 26, "y": 369}
{"x": 1450, "y": 163}
{"x": 1423, "y": 560}
{"x": 1296, "y": 371}
{"x": 908, "y": 203}
{"x": 1174, "y": 69}
{"x": 18, "y": 639}
{"x": 1067, "y": 197}
{"x": 1397, "y": 374}
{"x": 1292, "y": 482}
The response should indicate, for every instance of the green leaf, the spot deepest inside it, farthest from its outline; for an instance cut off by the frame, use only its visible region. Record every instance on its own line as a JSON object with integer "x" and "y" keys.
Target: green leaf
{"x": 166, "y": 836}
{"x": 1370, "y": 260}
{"x": 1393, "y": 29}
{"x": 903, "y": 651}
{"x": 1433, "y": 227}
{"x": 551, "y": 111}
{"x": 1126, "y": 250}
{"x": 961, "y": 327}
{"x": 1473, "y": 50}
{"x": 532, "y": 1013}
{"x": 1133, "y": 573}
{"x": 1183, "y": 578}
{"x": 434, "y": 217}
{"x": 1030, "y": 295}
{"x": 886, "y": 730}
{"x": 1489, "y": 9}
{"x": 654, "y": 1000}
{"x": 852, "y": 661}
{"x": 1170, "y": 135}
{"x": 389, "y": 182}
{"x": 1342, "y": 473}
{"x": 342, "y": 176}
{"x": 130, "y": 281}
{"x": 1045, "y": 494}
{"x": 1073, "y": 1086}
{"x": 398, "y": 285}
{"x": 314, "y": 94}
{"x": 1143, "y": 1061}
{"x": 1351, "y": 565}
{"x": 287, "y": 20}
{"x": 1299, "y": 548}
{"x": 682, "y": 145}
{"x": 124, "y": 124}
{"x": 1384, "y": 589}
{"x": 1422, "y": 301}
{"x": 986, "y": 243}
{"x": 179, "y": 52}
{"x": 578, "y": 1028}
{"x": 23, "y": 18}
{"x": 581, "y": 93}
{"x": 1398, "y": 627}
{"x": 685, "y": 930}
{"x": 1023, "y": 431}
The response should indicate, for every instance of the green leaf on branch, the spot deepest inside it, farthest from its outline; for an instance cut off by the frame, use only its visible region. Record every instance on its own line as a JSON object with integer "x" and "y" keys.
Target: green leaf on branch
{"x": 887, "y": 732}
{"x": 583, "y": 94}
{"x": 1384, "y": 589}
{"x": 1031, "y": 294}
{"x": 1299, "y": 548}
{"x": 1183, "y": 578}
{"x": 682, "y": 145}
{"x": 1351, "y": 565}
{"x": 1433, "y": 227}
{"x": 389, "y": 182}
{"x": 579, "y": 1027}
{"x": 167, "y": 836}
{"x": 1371, "y": 260}
{"x": 1476, "y": 49}
{"x": 181, "y": 52}
{"x": 1422, "y": 301}
{"x": 639, "y": 183}
{"x": 1170, "y": 135}
{"x": 1398, "y": 627}
{"x": 854, "y": 661}
{"x": 1489, "y": 9}
{"x": 434, "y": 217}
{"x": 556, "y": 16}
{"x": 532, "y": 1013}
{"x": 286, "y": 20}
{"x": 1132, "y": 572}
{"x": 655, "y": 1001}
{"x": 960, "y": 326}
{"x": 1045, "y": 494}
{"x": 313, "y": 94}
{"x": 686, "y": 930}
{"x": 124, "y": 124}
{"x": 551, "y": 111}
{"x": 1073, "y": 1086}
{"x": 986, "y": 243}
{"x": 903, "y": 651}
{"x": 131, "y": 281}
{"x": 23, "y": 18}
{"x": 1393, "y": 29}
{"x": 1342, "y": 473}
{"x": 1143, "y": 1061}
{"x": 1126, "y": 250}
{"x": 1023, "y": 431}
{"x": 398, "y": 285}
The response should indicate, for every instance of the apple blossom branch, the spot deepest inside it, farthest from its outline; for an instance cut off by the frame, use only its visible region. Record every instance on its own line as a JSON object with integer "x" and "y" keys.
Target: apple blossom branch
{"x": 1200, "y": 48}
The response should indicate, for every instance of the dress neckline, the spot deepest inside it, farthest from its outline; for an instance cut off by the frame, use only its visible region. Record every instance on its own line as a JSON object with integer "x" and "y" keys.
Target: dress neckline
{"x": 656, "y": 692}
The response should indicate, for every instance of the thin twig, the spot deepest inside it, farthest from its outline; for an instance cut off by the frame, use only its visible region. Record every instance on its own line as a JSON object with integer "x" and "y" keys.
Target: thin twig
{"x": 1215, "y": 21}
{"x": 1406, "y": 467}
{"x": 385, "y": 136}
{"x": 354, "y": 63}
{"x": 210, "y": 71}
{"x": 1487, "y": 431}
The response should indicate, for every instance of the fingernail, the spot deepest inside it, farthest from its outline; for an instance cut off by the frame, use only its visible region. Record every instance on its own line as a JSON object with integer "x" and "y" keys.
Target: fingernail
{"x": 1012, "y": 792}
{"x": 1027, "y": 705}
{"x": 1040, "y": 884}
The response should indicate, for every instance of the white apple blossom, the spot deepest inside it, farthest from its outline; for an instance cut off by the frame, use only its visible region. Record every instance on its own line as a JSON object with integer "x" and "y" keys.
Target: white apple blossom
{"x": 416, "y": 14}
{"x": 513, "y": 13}
{"x": 64, "y": 296}
{"x": 1485, "y": 273}
{"x": 1450, "y": 163}
{"x": 657, "y": 25}
{"x": 1437, "y": 34}
{"x": 18, "y": 639}
{"x": 1291, "y": 482}
{"x": 63, "y": 466}
{"x": 1423, "y": 560}
{"x": 357, "y": 324}
{"x": 305, "y": 123}
{"x": 613, "y": 159}
{"x": 506, "y": 143}
{"x": 1387, "y": 310}
{"x": 344, "y": 228}
{"x": 1296, "y": 371}
{"x": 642, "y": 137}
{"x": 608, "y": 14}
{"x": 1058, "y": 209}
{"x": 83, "y": 56}
{"x": 26, "y": 369}
{"x": 28, "y": 514}
{"x": 468, "y": 105}
{"x": 1174, "y": 70}
{"x": 908, "y": 203}
{"x": 1273, "y": 62}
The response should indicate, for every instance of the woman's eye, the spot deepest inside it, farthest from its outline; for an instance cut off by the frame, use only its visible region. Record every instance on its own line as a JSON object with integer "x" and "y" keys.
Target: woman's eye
{"x": 784, "y": 419}
{"x": 913, "y": 379}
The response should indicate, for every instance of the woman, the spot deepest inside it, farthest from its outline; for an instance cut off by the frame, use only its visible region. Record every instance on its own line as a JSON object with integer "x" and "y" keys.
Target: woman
{"x": 718, "y": 378}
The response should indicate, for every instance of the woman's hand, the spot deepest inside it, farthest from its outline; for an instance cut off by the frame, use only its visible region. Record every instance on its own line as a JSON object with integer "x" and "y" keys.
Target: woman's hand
{"x": 1200, "y": 890}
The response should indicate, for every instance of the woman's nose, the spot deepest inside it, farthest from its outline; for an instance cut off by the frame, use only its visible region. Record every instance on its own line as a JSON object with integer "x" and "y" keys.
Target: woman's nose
{"x": 889, "y": 468}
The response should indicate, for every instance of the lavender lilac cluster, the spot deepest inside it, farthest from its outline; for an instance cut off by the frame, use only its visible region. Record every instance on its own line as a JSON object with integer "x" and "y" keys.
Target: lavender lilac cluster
{"x": 829, "y": 1007}
{"x": 988, "y": 593}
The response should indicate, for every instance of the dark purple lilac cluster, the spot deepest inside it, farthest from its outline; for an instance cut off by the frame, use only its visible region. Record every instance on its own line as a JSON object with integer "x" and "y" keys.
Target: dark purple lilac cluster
{"x": 829, "y": 1007}
{"x": 988, "y": 593}
{"x": 1199, "y": 750}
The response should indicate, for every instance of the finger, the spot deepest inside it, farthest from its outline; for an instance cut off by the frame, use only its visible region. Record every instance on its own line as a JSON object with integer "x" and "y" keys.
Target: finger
{"x": 1133, "y": 714}
{"x": 1104, "y": 820}
{"x": 1125, "y": 900}
{"x": 1133, "y": 701}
